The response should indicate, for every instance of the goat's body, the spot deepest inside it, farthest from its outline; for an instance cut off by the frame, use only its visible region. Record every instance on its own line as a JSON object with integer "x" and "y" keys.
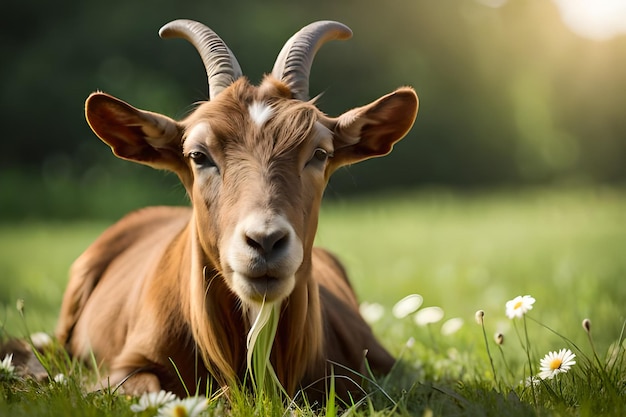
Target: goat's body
{"x": 173, "y": 291}
{"x": 127, "y": 304}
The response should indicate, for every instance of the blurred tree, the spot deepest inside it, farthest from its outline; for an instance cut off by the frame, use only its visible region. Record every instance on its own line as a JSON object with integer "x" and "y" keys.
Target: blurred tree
{"x": 508, "y": 94}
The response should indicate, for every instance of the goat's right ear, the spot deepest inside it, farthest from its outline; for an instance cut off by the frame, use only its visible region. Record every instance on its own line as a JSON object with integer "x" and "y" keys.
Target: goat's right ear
{"x": 372, "y": 130}
{"x": 136, "y": 135}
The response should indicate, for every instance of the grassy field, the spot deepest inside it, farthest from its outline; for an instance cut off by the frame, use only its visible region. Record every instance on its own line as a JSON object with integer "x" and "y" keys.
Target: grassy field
{"x": 460, "y": 252}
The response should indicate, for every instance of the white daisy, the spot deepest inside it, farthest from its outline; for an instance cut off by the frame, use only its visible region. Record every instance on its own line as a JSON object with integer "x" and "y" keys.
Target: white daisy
{"x": 531, "y": 381}
{"x": 60, "y": 379}
{"x": 152, "y": 400}
{"x": 6, "y": 366}
{"x": 407, "y": 305}
{"x": 519, "y": 306}
{"x": 371, "y": 312}
{"x": 555, "y": 363}
{"x": 188, "y": 407}
{"x": 451, "y": 326}
{"x": 41, "y": 340}
{"x": 428, "y": 315}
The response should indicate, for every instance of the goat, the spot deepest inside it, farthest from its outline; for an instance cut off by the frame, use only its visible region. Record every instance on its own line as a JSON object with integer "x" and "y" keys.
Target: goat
{"x": 174, "y": 286}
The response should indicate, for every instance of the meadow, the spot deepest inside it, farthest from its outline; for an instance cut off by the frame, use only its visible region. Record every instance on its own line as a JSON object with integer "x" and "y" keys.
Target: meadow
{"x": 461, "y": 252}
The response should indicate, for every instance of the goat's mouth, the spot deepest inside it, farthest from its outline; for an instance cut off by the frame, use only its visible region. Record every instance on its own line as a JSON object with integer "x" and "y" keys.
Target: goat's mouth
{"x": 262, "y": 288}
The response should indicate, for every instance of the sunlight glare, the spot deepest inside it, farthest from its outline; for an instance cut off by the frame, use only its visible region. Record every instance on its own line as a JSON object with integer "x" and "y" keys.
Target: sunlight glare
{"x": 594, "y": 19}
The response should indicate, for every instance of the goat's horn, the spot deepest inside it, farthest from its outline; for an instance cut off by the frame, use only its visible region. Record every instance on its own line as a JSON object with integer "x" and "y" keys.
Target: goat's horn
{"x": 293, "y": 64}
{"x": 221, "y": 65}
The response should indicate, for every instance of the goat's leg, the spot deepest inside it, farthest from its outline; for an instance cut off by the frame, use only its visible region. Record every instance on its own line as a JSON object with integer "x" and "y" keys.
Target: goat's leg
{"x": 133, "y": 374}
{"x": 139, "y": 383}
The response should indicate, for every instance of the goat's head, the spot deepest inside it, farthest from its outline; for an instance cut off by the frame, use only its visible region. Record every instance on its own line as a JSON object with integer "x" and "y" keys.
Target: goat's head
{"x": 255, "y": 160}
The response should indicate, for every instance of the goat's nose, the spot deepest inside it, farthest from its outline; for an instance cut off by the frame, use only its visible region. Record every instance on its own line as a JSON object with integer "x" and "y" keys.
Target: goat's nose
{"x": 267, "y": 242}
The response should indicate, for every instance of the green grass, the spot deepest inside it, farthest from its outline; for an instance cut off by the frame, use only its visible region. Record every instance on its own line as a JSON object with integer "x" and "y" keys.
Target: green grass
{"x": 461, "y": 252}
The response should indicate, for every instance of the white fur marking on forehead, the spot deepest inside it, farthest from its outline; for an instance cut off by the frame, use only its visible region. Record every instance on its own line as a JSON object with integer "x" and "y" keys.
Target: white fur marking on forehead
{"x": 260, "y": 112}
{"x": 199, "y": 133}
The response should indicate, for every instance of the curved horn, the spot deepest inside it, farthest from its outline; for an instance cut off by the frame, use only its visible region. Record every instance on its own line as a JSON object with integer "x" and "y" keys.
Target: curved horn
{"x": 293, "y": 64}
{"x": 221, "y": 66}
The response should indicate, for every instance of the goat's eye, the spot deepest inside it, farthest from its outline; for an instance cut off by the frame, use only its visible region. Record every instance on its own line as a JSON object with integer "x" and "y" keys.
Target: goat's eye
{"x": 319, "y": 158}
{"x": 201, "y": 159}
{"x": 320, "y": 155}
{"x": 198, "y": 157}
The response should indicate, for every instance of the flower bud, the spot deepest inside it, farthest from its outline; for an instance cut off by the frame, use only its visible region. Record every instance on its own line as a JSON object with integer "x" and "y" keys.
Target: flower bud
{"x": 479, "y": 316}
{"x": 499, "y": 337}
{"x": 20, "y": 306}
{"x": 587, "y": 325}
{"x": 411, "y": 342}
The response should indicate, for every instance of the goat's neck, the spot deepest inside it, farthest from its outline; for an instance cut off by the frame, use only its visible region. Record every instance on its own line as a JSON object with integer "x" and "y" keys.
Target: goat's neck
{"x": 220, "y": 323}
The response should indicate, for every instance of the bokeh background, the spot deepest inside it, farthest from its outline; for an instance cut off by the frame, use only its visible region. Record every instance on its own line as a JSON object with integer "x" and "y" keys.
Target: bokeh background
{"x": 513, "y": 93}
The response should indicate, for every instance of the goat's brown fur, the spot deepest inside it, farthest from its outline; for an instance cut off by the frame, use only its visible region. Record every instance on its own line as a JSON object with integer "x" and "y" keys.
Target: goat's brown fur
{"x": 159, "y": 286}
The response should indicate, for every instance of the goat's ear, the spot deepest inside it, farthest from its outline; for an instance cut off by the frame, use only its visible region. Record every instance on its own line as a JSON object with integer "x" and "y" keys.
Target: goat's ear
{"x": 136, "y": 135}
{"x": 372, "y": 130}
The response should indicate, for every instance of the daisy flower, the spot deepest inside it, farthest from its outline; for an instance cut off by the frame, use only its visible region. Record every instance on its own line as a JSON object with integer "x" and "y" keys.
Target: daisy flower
{"x": 407, "y": 305}
{"x": 428, "y": 315}
{"x": 555, "y": 363}
{"x": 40, "y": 340}
{"x": 531, "y": 381}
{"x": 519, "y": 306}
{"x": 6, "y": 366}
{"x": 371, "y": 312}
{"x": 152, "y": 400}
{"x": 451, "y": 326}
{"x": 60, "y": 379}
{"x": 188, "y": 407}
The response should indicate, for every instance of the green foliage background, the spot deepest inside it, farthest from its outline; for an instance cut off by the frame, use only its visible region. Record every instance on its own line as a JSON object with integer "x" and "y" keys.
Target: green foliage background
{"x": 508, "y": 95}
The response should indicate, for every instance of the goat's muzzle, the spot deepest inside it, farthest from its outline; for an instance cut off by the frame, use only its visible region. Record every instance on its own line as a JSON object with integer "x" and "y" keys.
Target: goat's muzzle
{"x": 263, "y": 254}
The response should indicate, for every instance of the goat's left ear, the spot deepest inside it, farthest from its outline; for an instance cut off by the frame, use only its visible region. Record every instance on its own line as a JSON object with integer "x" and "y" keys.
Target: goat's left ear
{"x": 372, "y": 130}
{"x": 136, "y": 135}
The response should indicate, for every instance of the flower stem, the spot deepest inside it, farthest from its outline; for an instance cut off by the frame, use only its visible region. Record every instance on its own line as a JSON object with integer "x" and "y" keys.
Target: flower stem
{"x": 493, "y": 368}
{"x": 530, "y": 363}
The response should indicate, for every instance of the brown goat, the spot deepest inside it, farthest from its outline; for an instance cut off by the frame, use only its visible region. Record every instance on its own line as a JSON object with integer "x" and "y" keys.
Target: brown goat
{"x": 182, "y": 285}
